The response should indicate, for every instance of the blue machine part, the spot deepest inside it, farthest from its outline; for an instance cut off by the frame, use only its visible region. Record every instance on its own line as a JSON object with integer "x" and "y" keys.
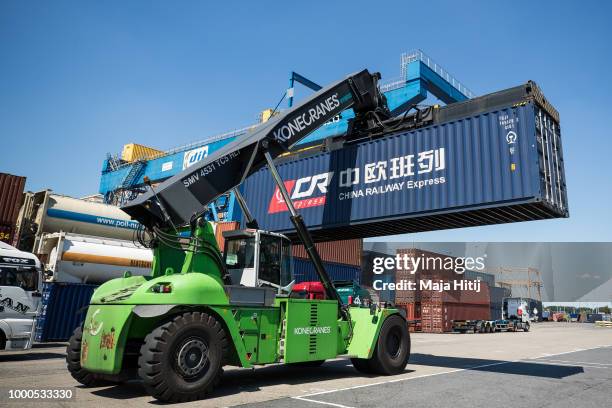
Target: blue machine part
{"x": 160, "y": 168}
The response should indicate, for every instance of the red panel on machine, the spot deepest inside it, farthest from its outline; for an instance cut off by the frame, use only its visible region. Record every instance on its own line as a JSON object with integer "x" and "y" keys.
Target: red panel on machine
{"x": 309, "y": 290}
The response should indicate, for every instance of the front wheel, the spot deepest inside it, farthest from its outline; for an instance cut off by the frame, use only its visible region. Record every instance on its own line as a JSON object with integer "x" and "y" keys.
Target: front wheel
{"x": 392, "y": 349}
{"x": 182, "y": 360}
{"x": 73, "y": 361}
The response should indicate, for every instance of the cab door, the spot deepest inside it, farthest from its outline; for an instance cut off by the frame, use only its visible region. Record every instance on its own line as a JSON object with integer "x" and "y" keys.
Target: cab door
{"x": 19, "y": 298}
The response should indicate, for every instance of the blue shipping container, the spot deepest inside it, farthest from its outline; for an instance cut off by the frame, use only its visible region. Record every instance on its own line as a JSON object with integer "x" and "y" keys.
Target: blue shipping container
{"x": 304, "y": 271}
{"x": 502, "y": 165}
{"x": 63, "y": 310}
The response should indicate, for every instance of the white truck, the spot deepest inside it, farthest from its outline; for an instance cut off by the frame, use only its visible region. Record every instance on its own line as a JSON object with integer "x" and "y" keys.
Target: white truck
{"x": 20, "y": 297}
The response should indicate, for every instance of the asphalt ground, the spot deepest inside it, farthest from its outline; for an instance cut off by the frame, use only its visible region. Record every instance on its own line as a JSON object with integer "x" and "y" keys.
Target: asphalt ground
{"x": 555, "y": 364}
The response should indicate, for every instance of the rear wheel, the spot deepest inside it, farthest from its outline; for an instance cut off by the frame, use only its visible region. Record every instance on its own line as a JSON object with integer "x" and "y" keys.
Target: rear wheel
{"x": 363, "y": 365}
{"x": 392, "y": 349}
{"x": 182, "y": 360}
{"x": 526, "y": 327}
{"x": 73, "y": 361}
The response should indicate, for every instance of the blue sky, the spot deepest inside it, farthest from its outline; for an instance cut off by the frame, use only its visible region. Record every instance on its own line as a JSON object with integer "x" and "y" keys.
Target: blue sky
{"x": 80, "y": 79}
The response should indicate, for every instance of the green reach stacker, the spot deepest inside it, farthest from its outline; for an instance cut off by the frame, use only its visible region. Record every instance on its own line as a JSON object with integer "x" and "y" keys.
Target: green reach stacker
{"x": 199, "y": 310}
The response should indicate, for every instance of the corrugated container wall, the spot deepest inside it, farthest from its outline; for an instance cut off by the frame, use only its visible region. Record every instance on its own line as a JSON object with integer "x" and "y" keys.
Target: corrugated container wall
{"x": 220, "y": 228}
{"x": 483, "y": 276}
{"x": 497, "y": 295}
{"x": 499, "y": 166}
{"x": 304, "y": 271}
{"x": 134, "y": 151}
{"x": 346, "y": 251}
{"x": 61, "y": 313}
{"x": 422, "y": 266}
{"x": 437, "y": 317}
{"x": 11, "y": 192}
{"x": 6, "y": 234}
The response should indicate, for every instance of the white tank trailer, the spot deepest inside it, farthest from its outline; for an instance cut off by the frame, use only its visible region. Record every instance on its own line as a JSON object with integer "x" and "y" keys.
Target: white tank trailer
{"x": 74, "y": 258}
{"x": 78, "y": 258}
{"x": 44, "y": 212}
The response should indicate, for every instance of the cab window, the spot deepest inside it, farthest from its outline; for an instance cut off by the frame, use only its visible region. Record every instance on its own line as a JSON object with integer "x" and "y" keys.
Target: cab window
{"x": 270, "y": 255}
{"x": 25, "y": 278}
{"x": 240, "y": 253}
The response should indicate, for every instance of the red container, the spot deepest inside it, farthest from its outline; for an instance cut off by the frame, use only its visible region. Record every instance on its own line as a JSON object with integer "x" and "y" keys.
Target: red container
{"x": 6, "y": 234}
{"x": 346, "y": 252}
{"x": 220, "y": 228}
{"x": 437, "y": 317}
{"x": 426, "y": 266}
{"x": 432, "y": 317}
{"x": 11, "y": 195}
{"x": 413, "y": 315}
{"x": 413, "y": 310}
{"x": 481, "y": 297}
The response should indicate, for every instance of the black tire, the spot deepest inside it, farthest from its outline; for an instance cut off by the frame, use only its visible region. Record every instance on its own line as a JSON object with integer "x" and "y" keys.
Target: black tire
{"x": 392, "y": 348}
{"x": 73, "y": 361}
{"x": 182, "y": 360}
{"x": 363, "y": 365}
{"x": 526, "y": 327}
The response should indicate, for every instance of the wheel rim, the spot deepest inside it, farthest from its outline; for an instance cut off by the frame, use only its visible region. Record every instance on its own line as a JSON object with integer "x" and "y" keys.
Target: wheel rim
{"x": 192, "y": 358}
{"x": 394, "y": 343}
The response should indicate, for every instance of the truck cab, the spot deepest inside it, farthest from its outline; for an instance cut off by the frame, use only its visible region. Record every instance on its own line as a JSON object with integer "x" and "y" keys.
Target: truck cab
{"x": 20, "y": 297}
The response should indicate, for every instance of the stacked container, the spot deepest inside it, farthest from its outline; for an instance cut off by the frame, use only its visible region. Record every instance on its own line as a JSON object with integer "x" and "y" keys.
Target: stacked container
{"x": 11, "y": 192}
{"x": 437, "y": 309}
{"x": 497, "y": 301}
{"x": 304, "y": 271}
{"x": 348, "y": 251}
{"x": 342, "y": 261}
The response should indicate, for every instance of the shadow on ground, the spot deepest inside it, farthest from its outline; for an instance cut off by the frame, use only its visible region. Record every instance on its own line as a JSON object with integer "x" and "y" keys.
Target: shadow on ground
{"x": 4, "y": 358}
{"x": 497, "y": 366}
{"x": 248, "y": 380}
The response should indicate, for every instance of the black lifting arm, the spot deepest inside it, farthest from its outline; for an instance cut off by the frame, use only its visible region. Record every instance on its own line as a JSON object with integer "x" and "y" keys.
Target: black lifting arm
{"x": 186, "y": 195}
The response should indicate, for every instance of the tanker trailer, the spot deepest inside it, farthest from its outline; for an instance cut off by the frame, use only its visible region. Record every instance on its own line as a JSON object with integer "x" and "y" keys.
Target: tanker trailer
{"x": 44, "y": 212}
{"x": 76, "y": 258}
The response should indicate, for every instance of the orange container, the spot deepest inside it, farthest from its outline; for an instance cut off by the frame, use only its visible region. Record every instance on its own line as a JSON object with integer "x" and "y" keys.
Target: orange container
{"x": 346, "y": 251}
{"x": 220, "y": 228}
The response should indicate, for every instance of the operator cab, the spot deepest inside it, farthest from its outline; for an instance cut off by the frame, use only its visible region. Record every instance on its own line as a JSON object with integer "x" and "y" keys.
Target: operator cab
{"x": 257, "y": 258}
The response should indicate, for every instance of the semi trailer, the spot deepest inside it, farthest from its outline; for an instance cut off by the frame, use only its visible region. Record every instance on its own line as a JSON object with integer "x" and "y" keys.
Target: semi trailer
{"x": 45, "y": 212}
{"x": 515, "y": 316}
{"x": 198, "y": 310}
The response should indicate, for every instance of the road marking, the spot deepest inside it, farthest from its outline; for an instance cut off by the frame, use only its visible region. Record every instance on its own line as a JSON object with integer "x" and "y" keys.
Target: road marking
{"x": 582, "y": 365}
{"x": 578, "y": 362}
{"x": 303, "y": 397}
{"x": 321, "y": 402}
